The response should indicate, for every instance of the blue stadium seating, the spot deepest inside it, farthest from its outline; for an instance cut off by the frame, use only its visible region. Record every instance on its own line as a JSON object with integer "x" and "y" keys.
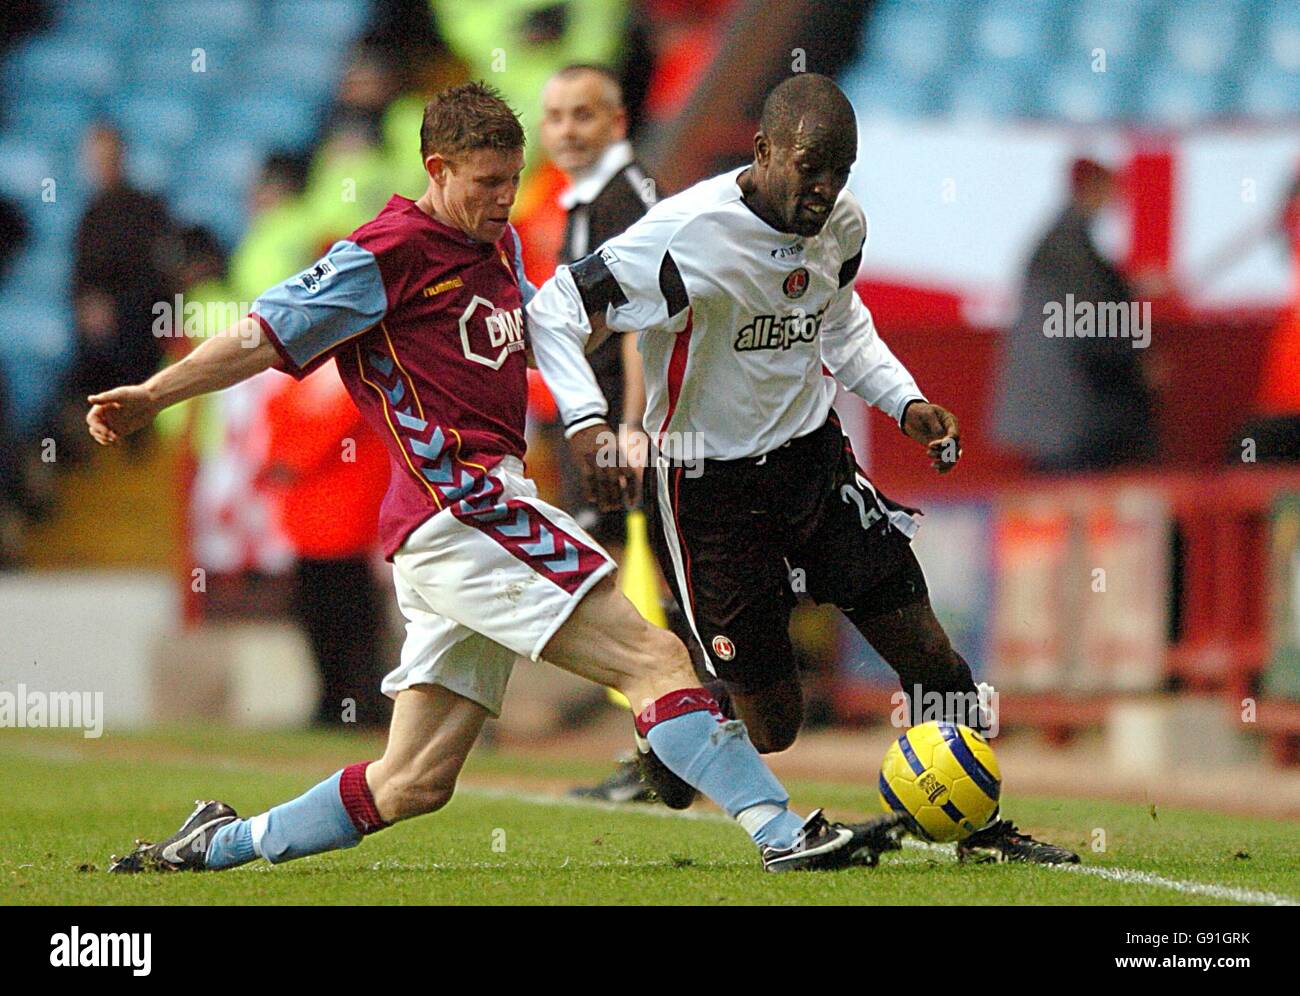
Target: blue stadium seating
{"x": 1015, "y": 33}
{"x": 989, "y": 91}
{"x": 197, "y": 128}
{"x": 1202, "y": 36}
{"x": 224, "y": 159}
{"x": 179, "y": 68}
{"x": 99, "y": 23}
{"x": 1270, "y": 92}
{"x": 208, "y": 22}
{"x": 51, "y": 66}
{"x": 891, "y": 93}
{"x": 291, "y": 69}
{"x": 149, "y": 166}
{"x": 1177, "y": 98}
{"x": 913, "y": 40}
{"x": 1074, "y": 92}
{"x": 218, "y": 206}
{"x": 34, "y": 351}
{"x": 41, "y": 272}
{"x": 1119, "y": 27}
{"x": 272, "y": 122}
{"x": 158, "y": 119}
{"x": 1166, "y": 61}
{"x": 24, "y": 165}
{"x": 330, "y": 22}
{"x": 53, "y": 123}
{"x": 1281, "y": 36}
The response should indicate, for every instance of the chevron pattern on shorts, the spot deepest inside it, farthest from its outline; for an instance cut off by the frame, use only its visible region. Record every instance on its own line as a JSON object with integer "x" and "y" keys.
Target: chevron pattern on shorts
{"x": 475, "y": 497}
{"x": 524, "y": 530}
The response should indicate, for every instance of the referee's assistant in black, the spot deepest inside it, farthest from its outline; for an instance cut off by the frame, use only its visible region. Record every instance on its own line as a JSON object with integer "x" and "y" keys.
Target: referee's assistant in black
{"x": 584, "y": 132}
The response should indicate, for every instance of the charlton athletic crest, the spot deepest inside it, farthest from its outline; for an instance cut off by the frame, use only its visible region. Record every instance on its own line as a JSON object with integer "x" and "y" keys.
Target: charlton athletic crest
{"x": 723, "y": 647}
{"x": 796, "y": 283}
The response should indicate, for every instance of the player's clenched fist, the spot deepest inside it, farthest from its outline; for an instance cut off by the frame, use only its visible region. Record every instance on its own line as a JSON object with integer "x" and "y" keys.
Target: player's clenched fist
{"x": 936, "y": 428}
{"x": 595, "y": 448}
{"x": 120, "y": 412}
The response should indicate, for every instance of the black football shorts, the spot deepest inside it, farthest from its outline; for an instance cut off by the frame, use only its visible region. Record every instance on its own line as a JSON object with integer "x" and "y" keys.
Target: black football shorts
{"x": 741, "y": 541}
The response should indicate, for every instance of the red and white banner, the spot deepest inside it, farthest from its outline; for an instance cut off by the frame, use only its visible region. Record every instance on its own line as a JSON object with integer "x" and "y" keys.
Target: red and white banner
{"x": 955, "y": 209}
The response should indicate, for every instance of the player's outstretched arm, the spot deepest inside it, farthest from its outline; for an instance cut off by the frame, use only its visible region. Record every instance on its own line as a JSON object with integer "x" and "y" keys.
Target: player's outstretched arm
{"x": 226, "y": 359}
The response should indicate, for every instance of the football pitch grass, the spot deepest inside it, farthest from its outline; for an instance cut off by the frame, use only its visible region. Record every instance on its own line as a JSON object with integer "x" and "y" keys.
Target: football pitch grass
{"x": 509, "y": 836}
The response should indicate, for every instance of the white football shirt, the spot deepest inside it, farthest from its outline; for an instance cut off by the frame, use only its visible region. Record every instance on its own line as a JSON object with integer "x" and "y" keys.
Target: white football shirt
{"x": 744, "y": 330}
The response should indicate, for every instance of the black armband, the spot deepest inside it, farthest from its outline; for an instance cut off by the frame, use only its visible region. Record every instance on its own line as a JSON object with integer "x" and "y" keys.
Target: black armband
{"x": 596, "y": 284}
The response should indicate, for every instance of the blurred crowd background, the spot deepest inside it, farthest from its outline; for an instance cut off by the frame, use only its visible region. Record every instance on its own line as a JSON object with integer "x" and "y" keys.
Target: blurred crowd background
{"x": 1124, "y": 527}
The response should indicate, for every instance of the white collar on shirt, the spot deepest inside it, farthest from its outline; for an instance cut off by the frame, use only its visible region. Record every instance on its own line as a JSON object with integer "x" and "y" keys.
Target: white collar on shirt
{"x": 588, "y": 184}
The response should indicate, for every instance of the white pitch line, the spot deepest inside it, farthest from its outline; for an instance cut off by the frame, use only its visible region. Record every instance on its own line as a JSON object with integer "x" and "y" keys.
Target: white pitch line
{"x": 1123, "y": 876}
{"x": 1129, "y": 876}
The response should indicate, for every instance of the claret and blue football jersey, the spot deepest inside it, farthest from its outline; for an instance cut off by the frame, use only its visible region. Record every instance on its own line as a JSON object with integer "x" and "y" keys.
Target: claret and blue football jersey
{"x": 427, "y": 328}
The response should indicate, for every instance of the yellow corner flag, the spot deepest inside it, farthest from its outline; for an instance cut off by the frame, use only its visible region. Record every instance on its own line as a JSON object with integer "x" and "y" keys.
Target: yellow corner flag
{"x": 639, "y": 581}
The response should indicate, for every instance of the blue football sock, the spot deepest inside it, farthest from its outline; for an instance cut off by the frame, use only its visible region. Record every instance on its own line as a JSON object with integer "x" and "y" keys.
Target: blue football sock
{"x": 779, "y": 831}
{"x": 715, "y": 756}
{"x": 231, "y": 846}
{"x": 316, "y": 821}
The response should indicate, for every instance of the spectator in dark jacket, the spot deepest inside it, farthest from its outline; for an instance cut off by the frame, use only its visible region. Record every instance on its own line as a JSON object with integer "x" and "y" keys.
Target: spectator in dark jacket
{"x": 125, "y": 246}
{"x": 1066, "y": 401}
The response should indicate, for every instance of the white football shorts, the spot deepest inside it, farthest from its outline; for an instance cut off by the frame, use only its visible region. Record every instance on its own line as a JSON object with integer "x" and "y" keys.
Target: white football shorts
{"x": 486, "y": 580}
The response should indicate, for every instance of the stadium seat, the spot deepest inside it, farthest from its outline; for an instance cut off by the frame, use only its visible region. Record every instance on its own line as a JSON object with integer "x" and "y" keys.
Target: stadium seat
{"x": 1017, "y": 33}
{"x": 51, "y": 122}
{"x": 54, "y": 222}
{"x": 38, "y": 328}
{"x": 911, "y": 39}
{"x": 49, "y": 66}
{"x": 24, "y": 165}
{"x": 149, "y": 166}
{"x": 1170, "y": 97}
{"x": 991, "y": 92}
{"x": 206, "y": 22}
{"x": 41, "y": 273}
{"x": 1202, "y": 36}
{"x": 331, "y": 22}
{"x": 269, "y": 122}
{"x": 34, "y": 352}
{"x": 1281, "y": 35}
{"x": 213, "y": 157}
{"x": 292, "y": 69}
{"x": 1269, "y": 92}
{"x": 1122, "y": 28}
{"x": 219, "y": 207}
{"x": 160, "y": 120}
{"x": 1075, "y": 93}
{"x": 172, "y": 67}
{"x": 885, "y": 92}
{"x": 100, "y": 22}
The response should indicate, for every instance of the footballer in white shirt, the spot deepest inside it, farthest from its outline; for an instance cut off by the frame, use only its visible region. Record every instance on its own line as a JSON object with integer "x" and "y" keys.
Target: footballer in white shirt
{"x": 741, "y": 292}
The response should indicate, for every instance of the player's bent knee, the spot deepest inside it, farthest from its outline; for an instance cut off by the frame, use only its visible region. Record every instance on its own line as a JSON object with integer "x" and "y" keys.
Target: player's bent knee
{"x": 419, "y": 799}
{"x": 773, "y": 738}
{"x": 404, "y": 796}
